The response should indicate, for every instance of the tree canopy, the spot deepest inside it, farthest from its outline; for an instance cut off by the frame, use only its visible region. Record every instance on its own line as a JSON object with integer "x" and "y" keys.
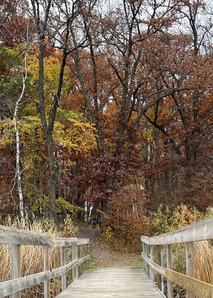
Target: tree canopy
{"x": 117, "y": 104}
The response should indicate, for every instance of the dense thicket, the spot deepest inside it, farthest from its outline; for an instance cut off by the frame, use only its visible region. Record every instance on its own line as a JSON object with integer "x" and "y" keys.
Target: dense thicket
{"x": 116, "y": 113}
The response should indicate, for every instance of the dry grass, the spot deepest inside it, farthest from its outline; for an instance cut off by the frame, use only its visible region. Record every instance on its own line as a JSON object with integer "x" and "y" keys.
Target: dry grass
{"x": 204, "y": 257}
{"x": 31, "y": 257}
{"x": 204, "y": 261}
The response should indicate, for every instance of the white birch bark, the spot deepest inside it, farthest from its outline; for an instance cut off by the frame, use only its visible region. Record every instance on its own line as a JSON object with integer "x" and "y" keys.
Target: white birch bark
{"x": 15, "y": 119}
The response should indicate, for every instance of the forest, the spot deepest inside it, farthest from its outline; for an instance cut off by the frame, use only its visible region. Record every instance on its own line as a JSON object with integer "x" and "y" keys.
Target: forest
{"x": 106, "y": 112}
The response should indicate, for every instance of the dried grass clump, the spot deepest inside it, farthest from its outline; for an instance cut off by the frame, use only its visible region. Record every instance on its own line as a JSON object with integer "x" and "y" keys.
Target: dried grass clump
{"x": 204, "y": 261}
{"x": 31, "y": 256}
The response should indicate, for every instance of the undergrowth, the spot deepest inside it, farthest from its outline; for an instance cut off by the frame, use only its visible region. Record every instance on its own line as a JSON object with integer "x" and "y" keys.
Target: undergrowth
{"x": 124, "y": 226}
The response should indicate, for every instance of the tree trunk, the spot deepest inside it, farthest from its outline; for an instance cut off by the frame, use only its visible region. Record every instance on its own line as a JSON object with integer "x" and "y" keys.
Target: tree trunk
{"x": 15, "y": 119}
{"x": 52, "y": 175}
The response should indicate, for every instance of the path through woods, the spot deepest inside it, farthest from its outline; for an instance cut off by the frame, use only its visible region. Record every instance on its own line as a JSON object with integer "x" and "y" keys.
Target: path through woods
{"x": 102, "y": 256}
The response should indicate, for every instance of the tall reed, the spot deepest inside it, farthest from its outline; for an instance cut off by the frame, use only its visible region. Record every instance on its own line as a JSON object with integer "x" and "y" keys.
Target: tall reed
{"x": 204, "y": 261}
{"x": 31, "y": 256}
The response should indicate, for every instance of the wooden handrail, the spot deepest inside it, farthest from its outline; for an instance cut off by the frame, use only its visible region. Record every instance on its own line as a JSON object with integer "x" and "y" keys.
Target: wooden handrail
{"x": 200, "y": 231}
{"x": 18, "y": 237}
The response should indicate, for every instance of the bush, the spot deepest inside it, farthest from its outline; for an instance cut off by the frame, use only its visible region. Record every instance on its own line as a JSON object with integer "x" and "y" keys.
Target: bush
{"x": 126, "y": 221}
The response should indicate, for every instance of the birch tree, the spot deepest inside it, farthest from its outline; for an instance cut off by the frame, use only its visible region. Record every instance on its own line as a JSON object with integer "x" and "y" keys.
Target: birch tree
{"x": 18, "y": 173}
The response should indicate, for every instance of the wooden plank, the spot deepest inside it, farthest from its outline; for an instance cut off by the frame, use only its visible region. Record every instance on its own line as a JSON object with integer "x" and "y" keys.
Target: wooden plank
{"x": 162, "y": 264}
{"x": 144, "y": 252}
{"x": 169, "y": 266}
{"x": 199, "y": 288}
{"x": 77, "y": 257}
{"x": 19, "y": 284}
{"x": 203, "y": 230}
{"x": 10, "y": 235}
{"x": 83, "y": 241}
{"x": 152, "y": 264}
{"x": 46, "y": 268}
{"x": 16, "y": 266}
{"x": 74, "y": 258}
{"x": 152, "y": 256}
{"x": 112, "y": 282}
{"x": 18, "y": 237}
{"x": 147, "y": 253}
{"x": 190, "y": 264}
{"x": 83, "y": 259}
{"x": 63, "y": 262}
{"x": 81, "y": 253}
{"x": 146, "y": 266}
{"x": 158, "y": 252}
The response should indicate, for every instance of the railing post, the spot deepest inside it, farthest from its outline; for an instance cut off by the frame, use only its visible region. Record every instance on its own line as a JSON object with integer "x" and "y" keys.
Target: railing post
{"x": 158, "y": 250}
{"x": 87, "y": 252}
{"x": 169, "y": 266}
{"x": 76, "y": 247}
{"x": 81, "y": 254}
{"x": 46, "y": 267}
{"x": 190, "y": 264}
{"x": 145, "y": 263}
{"x": 74, "y": 257}
{"x": 162, "y": 264}
{"x": 152, "y": 256}
{"x": 63, "y": 262}
{"x": 147, "y": 254}
{"x": 16, "y": 265}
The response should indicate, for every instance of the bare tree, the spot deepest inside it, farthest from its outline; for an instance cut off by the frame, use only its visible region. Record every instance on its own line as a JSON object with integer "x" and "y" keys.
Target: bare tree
{"x": 54, "y": 20}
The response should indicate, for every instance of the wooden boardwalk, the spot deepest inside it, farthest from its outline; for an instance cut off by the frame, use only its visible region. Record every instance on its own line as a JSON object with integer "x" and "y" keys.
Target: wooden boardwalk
{"x": 112, "y": 282}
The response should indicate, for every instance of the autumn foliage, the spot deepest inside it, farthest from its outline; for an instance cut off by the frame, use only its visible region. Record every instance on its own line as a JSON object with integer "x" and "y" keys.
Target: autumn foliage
{"x": 116, "y": 117}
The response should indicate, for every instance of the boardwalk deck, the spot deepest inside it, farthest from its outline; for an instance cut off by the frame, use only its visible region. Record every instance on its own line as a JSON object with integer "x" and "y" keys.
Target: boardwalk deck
{"x": 112, "y": 282}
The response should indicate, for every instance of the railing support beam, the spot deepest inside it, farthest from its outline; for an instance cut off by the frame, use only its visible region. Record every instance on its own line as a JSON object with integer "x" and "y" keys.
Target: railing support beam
{"x": 147, "y": 254}
{"x": 16, "y": 265}
{"x": 63, "y": 262}
{"x": 158, "y": 252}
{"x": 144, "y": 251}
{"x": 162, "y": 264}
{"x": 190, "y": 265}
{"x": 74, "y": 257}
{"x": 152, "y": 256}
{"x": 46, "y": 267}
{"x": 169, "y": 266}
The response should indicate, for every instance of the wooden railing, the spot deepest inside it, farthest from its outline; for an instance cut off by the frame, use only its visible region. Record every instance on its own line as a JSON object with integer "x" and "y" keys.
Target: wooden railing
{"x": 17, "y": 237}
{"x": 153, "y": 250}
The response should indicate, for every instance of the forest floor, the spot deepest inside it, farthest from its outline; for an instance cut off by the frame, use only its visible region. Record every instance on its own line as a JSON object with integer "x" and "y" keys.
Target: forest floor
{"x": 103, "y": 256}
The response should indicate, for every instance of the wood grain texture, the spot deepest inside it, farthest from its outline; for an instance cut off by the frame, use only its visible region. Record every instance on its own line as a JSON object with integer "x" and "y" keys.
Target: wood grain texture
{"x": 46, "y": 268}
{"x": 158, "y": 252}
{"x": 16, "y": 266}
{"x": 169, "y": 266}
{"x": 152, "y": 256}
{"x": 19, "y": 284}
{"x": 112, "y": 282}
{"x": 199, "y": 288}
{"x": 18, "y": 237}
{"x": 153, "y": 265}
{"x": 203, "y": 230}
{"x": 10, "y": 235}
{"x": 63, "y": 262}
{"x": 190, "y": 264}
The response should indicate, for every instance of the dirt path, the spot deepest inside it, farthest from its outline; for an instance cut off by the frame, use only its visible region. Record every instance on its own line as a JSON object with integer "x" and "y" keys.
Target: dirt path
{"x": 101, "y": 256}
